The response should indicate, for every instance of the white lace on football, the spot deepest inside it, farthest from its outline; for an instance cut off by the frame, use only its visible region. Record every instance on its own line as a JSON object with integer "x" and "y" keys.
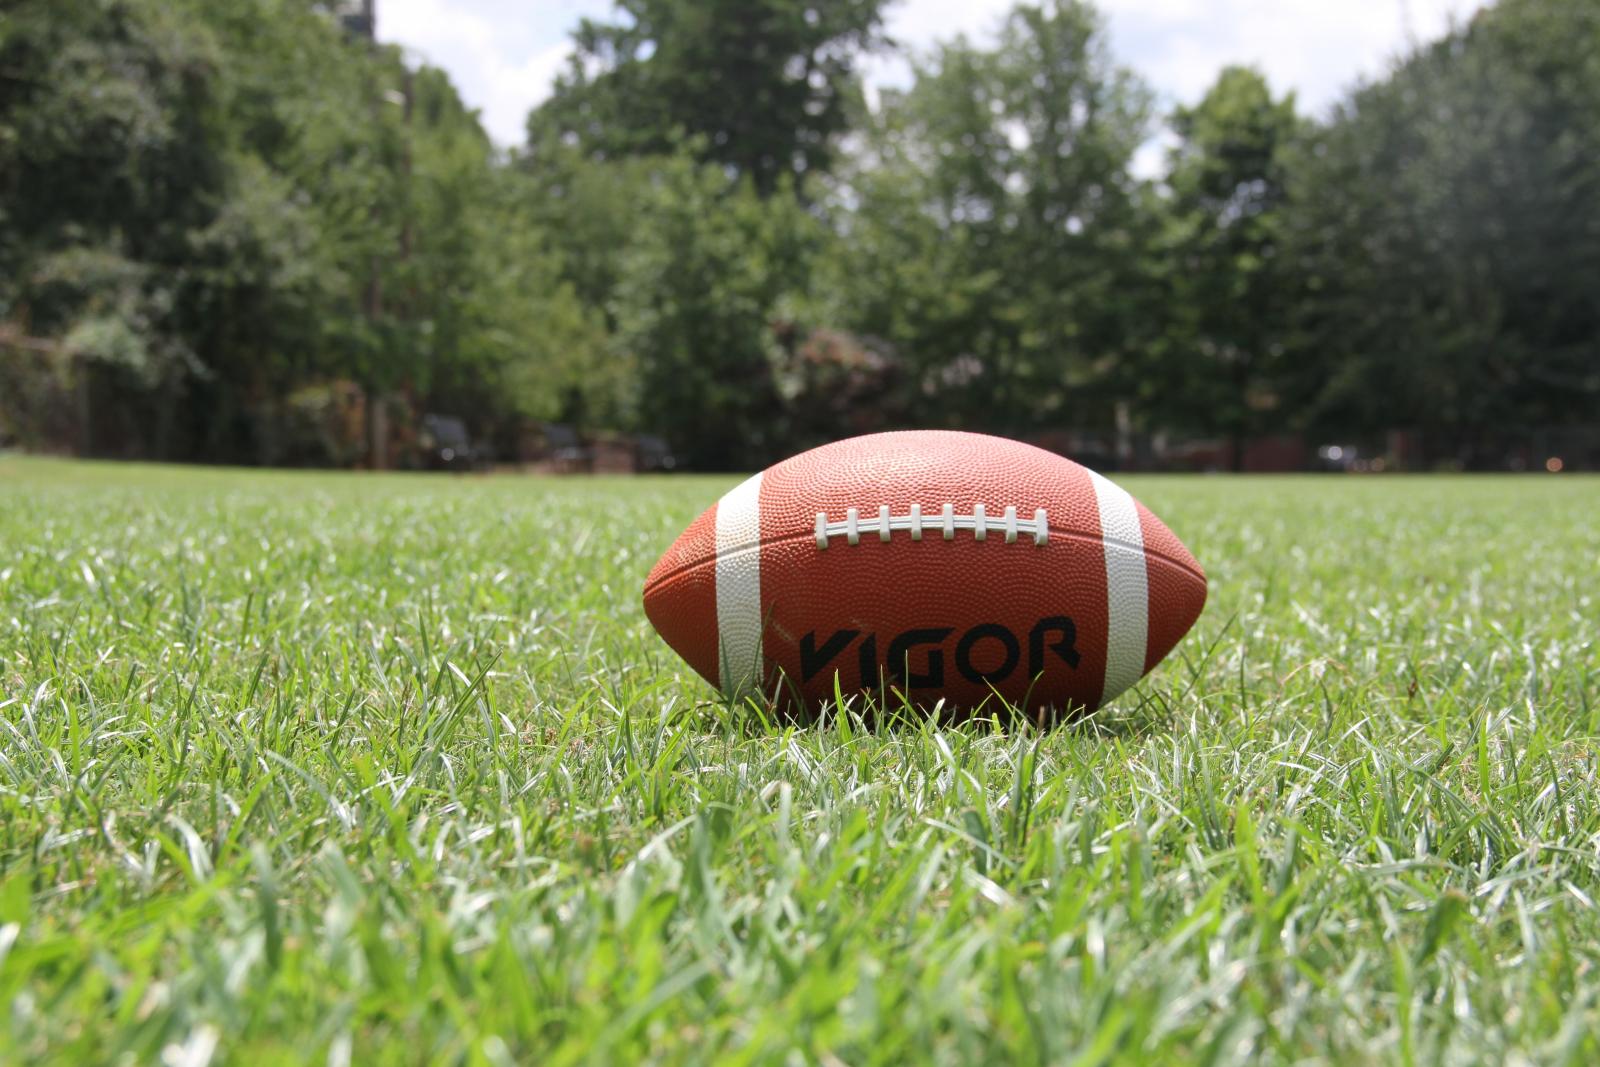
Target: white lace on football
{"x": 947, "y": 522}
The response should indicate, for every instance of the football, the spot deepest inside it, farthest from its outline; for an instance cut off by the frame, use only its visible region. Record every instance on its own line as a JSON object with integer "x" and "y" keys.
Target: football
{"x": 926, "y": 566}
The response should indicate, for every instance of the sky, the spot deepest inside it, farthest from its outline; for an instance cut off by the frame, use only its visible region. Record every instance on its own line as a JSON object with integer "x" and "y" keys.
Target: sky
{"x": 503, "y": 54}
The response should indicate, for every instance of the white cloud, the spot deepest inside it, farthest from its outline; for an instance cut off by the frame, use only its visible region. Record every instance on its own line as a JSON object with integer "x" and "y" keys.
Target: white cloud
{"x": 502, "y": 59}
{"x": 918, "y": 24}
{"x": 1319, "y": 48}
{"x": 504, "y": 54}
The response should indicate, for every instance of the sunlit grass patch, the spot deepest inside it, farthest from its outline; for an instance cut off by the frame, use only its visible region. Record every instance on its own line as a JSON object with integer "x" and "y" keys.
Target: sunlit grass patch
{"x": 301, "y": 767}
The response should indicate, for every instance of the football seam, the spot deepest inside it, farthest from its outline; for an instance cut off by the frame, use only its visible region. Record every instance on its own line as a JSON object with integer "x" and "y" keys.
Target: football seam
{"x": 883, "y": 524}
{"x": 808, "y": 534}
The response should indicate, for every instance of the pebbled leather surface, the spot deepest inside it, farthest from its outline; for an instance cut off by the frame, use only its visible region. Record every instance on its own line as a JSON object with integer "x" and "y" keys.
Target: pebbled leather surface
{"x": 680, "y": 596}
{"x": 946, "y": 601}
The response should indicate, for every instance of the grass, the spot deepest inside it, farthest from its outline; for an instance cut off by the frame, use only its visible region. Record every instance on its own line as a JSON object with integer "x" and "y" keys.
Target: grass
{"x": 318, "y": 768}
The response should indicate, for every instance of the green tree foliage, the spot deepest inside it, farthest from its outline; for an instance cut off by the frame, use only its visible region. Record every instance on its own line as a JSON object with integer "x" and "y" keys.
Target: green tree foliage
{"x": 226, "y": 208}
{"x": 306, "y": 204}
{"x": 1227, "y": 288}
{"x": 108, "y": 166}
{"x": 589, "y": 211}
{"x": 696, "y": 305}
{"x": 761, "y": 86}
{"x": 191, "y": 197}
{"x": 228, "y": 201}
{"x": 1447, "y": 218}
{"x": 998, "y": 234}
{"x": 531, "y": 346}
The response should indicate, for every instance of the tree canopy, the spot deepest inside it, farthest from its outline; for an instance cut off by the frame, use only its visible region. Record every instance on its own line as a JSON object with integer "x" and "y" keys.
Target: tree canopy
{"x": 763, "y": 87}
{"x": 714, "y": 235}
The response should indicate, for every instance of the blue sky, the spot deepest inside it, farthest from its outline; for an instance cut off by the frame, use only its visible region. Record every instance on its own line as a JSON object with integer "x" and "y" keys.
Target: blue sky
{"x": 503, "y": 54}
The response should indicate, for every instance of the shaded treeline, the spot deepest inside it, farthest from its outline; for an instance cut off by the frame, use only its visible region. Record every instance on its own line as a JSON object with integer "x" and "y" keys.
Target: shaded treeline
{"x": 214, "y": 215}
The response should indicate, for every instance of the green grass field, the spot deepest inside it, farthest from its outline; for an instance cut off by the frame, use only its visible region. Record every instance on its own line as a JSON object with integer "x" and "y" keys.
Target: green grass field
{"x": 306, "y": 768}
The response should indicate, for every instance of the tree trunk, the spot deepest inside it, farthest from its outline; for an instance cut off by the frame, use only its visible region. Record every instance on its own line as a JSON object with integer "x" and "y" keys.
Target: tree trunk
{"x": 377, "y": 431}
{"x": 85, "y": 413}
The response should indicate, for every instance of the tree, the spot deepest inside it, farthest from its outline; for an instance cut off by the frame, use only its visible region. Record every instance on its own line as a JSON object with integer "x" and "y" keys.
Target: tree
{"x": 530, "y": 346}
{"x": 590, "y": 211}
{"x": 1221, "y": 357}
{"x": 189, "y": 202}
{"x": 695, "y": 310}
{"x": 221, "y": 204}
{"x": 996, "y": 231}
{"x": 759, "y": 86}
{"x": 107, "y": 167}
{"x": 1444, "y": 220}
